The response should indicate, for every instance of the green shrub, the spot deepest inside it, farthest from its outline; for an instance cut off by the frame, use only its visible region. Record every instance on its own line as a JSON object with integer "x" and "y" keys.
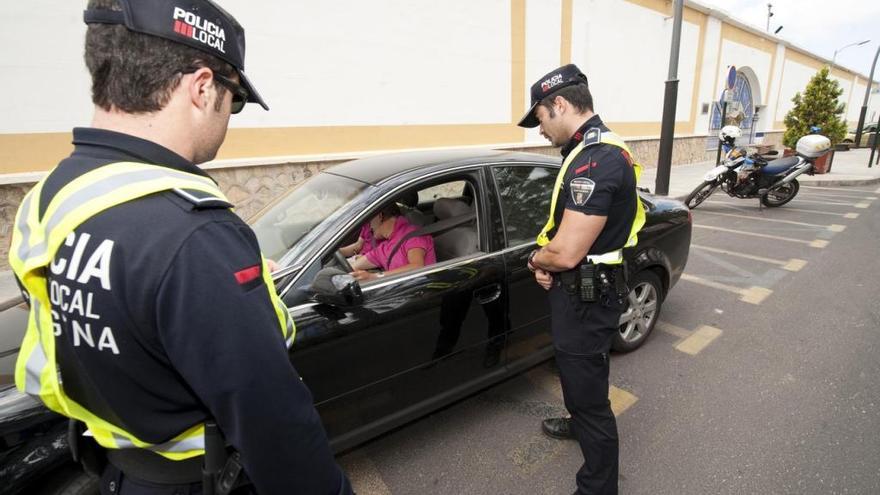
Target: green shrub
{"x": 818, "y": 106}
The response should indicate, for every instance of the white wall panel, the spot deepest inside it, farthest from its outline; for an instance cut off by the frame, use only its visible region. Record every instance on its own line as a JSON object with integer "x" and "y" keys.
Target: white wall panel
{"x": 794, "y": 80}
{"x": 769, "y": 116}
{"x": 708, "y": 92}
{"x": 382, "y": 62}
{"x": 624, "y": 50}
{"x": 543, "y": 37}
{"x": 45, "y": 82}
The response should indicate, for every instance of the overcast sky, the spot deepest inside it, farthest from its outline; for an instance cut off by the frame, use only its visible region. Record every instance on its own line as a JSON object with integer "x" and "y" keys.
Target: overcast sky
{"x": 820, "y": 26}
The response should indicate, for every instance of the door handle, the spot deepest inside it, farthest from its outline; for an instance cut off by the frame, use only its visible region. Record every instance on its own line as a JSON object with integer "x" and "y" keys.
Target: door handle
{"x": 487, "y": 294}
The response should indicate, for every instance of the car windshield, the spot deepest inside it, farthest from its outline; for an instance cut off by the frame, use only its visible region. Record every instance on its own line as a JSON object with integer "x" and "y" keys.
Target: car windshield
{"x": 285, "y": 222}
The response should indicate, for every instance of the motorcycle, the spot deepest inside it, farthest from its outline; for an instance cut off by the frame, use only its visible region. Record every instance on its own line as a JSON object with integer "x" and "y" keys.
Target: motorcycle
{"x": 753, "y": 176}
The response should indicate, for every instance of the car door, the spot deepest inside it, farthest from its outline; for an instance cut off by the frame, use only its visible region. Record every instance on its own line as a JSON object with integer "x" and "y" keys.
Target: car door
{"x": 416, "y": 341}
{"x": 524, "y": 192}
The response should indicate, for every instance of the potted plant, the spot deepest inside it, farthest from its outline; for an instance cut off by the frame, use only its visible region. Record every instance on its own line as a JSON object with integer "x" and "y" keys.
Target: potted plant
{"x": 818, "y": 106}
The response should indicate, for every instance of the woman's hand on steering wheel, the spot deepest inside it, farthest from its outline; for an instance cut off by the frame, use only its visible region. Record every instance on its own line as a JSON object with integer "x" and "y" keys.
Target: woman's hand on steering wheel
{"x": 342, "y": 261}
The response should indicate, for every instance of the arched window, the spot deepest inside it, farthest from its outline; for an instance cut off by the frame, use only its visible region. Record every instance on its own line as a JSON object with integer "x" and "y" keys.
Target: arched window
{"x": 740, "y": 112}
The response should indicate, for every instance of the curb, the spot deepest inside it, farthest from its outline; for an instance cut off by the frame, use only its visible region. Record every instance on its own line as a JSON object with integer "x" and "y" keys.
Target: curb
{"x": 10, "y": 303}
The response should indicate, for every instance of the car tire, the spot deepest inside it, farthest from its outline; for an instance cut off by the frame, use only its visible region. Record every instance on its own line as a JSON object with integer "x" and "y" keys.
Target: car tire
{"x": 70, "y": 480}
{"x": 642, "y": 313}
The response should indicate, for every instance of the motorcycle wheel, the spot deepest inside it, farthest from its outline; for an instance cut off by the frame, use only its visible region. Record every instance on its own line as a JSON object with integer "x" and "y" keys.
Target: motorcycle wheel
{"x": 780, "y": 195}
{"x": 698, "y": 195}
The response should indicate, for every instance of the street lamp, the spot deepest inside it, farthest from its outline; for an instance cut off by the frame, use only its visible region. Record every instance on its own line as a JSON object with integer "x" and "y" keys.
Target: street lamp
{"x": 860, "y": 43}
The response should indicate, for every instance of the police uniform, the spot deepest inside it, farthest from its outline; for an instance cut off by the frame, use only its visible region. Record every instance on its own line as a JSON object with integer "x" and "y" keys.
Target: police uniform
{"x": 598, "y": 177}
{"x": 152, "y": 313}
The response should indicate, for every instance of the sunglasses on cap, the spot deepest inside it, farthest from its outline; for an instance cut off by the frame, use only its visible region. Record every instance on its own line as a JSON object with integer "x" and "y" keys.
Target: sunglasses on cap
{"x": 239, "y": 94}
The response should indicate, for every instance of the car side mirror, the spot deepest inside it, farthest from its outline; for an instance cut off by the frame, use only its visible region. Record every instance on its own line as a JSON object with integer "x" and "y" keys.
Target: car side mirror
{"x": 337, "y": 288}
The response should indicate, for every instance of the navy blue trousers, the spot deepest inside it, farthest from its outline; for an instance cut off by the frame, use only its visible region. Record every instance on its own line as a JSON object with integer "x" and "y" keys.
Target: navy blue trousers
{"x": 582, "y": 334}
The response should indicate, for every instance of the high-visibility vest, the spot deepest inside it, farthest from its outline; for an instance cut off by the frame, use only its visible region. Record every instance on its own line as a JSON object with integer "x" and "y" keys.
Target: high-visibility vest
{"x": 596, "y": 136}
{"x": 34, "y": 244}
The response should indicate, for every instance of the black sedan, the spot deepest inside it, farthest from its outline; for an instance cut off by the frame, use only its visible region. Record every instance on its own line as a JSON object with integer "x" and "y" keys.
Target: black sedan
{"x": 381, "y": 353}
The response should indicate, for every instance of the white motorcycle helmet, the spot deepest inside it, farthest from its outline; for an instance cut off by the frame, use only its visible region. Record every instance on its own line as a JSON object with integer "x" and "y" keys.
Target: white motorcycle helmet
{"x": 729, "y": 134}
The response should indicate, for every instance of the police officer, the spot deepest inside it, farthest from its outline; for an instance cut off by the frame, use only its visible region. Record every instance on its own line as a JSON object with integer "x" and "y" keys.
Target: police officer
{"x": 152, "y": 312}
{"x": 594, "y": 213}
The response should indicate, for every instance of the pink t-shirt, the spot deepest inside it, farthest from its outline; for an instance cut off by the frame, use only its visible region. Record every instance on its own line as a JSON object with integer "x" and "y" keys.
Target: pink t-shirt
{"x": 379, "y": 255}
{"x": 367, "y": 235}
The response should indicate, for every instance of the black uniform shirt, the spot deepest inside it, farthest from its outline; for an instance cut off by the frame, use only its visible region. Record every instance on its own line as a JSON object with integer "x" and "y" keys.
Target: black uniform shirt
{"x": 600, "y": 181}
{"x": 162, "y": 321}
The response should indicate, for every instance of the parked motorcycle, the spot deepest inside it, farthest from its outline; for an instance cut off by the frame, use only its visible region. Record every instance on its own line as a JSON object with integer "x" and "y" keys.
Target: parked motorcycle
{"x": 752, "y": 176}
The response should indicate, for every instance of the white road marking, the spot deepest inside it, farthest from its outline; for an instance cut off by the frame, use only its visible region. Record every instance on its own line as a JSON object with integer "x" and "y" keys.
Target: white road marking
{"x": 752, "y": 295}
{"x": 841, "y": 189}
{"x": 833, "y": 228}
{"x": 792, "y": 264}
{"x": 862, "y": 205}
{"x": 835, "y": 203}
{"x": 817, "y": 243}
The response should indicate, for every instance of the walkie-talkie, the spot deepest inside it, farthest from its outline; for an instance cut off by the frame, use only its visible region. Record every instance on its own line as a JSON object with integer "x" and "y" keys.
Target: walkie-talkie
{"x": 588, "y": 282}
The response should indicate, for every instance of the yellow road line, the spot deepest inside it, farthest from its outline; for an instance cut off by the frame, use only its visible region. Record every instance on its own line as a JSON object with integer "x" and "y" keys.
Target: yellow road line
{"x": 816, "y": 243}
{"x": 851, "y": 215}
{"x": 752, "y": 295}
{"x": 673, "y": 330}
{"x": 699, "y": 340}
{"x": 621, "y": 400}
{"x": 792, "y": 264}
{"x": 862, "y": 205}
{"x": 833, "y": 227}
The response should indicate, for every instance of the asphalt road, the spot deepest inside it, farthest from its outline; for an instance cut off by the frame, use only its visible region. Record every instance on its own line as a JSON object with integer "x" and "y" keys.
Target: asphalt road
{"x": 760, "y": 378}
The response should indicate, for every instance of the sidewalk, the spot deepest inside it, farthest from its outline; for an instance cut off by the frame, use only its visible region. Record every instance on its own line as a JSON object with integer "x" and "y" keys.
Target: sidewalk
{"x": 850, "y": 168}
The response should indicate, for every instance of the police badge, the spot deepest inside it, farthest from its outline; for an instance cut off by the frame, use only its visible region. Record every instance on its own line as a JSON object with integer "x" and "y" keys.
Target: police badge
{"x": 581, "y": 190}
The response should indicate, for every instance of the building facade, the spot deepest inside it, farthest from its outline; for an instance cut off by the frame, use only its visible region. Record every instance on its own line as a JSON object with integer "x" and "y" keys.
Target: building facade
{"x": 349, "y": 78}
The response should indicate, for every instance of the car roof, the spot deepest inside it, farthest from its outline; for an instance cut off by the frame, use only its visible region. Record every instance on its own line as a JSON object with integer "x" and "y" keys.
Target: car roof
{"x": 377, "y": 169}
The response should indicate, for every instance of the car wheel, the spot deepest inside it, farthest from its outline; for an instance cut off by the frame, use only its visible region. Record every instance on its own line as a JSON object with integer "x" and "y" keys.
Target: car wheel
{"x": 70, "y": 480}
{"x": 637, "y": 322}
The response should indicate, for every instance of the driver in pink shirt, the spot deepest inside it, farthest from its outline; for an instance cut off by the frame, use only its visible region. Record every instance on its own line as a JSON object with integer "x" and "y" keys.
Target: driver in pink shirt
{"x": 390, "y": 226}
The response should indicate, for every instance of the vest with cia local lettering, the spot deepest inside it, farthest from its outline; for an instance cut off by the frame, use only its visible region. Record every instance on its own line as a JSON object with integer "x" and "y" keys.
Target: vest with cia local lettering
{"x": 594, "y": 137}
{"x": 35, "y": 241}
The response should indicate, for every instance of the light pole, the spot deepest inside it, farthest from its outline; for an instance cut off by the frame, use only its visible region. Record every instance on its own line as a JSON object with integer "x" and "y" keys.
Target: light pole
{"x": 670, "y": 99}
{"x": 865, "y": 104}
{"x": 860, "y": 43}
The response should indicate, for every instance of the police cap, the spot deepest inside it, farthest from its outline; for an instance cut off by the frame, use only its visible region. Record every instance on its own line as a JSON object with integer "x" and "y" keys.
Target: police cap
{"x": 199, "y": 24}
{"x": 553, "y": 81}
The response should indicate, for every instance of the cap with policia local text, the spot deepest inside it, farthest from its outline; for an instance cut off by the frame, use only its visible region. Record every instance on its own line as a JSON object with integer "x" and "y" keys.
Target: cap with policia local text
{"x": 200, "y": 24}
{"x": 567, "y": 75}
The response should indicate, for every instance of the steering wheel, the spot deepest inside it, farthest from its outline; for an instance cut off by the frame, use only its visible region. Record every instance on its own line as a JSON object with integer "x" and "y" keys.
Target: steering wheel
{"x": 342, "y": 261}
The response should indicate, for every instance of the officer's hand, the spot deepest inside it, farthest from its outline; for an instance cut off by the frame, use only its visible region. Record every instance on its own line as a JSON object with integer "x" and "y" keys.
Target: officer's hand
{"x": 271, "y": 265}
{"x": 544, "y": 278}
{"x": 363, "y": 275}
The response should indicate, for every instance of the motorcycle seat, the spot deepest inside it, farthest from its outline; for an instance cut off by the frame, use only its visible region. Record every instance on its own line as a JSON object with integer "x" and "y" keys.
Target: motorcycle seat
{"x": 780, "y": 165}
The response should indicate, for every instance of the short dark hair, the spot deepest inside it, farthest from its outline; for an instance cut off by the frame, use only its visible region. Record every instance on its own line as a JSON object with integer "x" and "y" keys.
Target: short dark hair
{"x": 390, "y": 210}
{"x": 135, "y": 72}
{"x": 578, "y": 95}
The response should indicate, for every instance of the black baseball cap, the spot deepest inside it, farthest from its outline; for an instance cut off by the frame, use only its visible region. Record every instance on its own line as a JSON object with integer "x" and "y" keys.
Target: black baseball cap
{"x": 553, "y": 81}
{"x": 199, "y": 24}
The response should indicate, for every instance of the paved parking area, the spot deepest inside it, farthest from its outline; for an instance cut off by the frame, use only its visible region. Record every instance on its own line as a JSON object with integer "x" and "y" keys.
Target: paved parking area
{"x": 746, "y": 262}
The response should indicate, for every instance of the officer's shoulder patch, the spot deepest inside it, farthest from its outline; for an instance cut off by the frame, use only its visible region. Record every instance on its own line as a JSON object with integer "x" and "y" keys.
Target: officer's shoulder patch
{"x": 592, "y": 136}
{"x": 581, "y": 189}
{"x": 202, "y": 200}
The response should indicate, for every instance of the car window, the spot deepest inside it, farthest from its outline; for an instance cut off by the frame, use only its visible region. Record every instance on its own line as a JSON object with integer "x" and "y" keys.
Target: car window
{"x": 454, "y": 189}
{"x": 283, "y": 223}
{"x": 525, "y": 192}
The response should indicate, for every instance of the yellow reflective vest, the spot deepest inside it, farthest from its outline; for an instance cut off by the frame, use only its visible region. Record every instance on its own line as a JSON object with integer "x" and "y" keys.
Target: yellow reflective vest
{"x": 35, "y": 241}
{"x": 596, "y": 136}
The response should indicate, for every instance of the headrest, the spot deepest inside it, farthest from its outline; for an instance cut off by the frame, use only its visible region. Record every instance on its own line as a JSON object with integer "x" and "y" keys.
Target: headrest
{"x": 447, "y": 208}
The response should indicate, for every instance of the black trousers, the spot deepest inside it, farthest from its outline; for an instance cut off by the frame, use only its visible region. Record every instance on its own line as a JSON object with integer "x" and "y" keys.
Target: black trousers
{"x": 582, "y": 334}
